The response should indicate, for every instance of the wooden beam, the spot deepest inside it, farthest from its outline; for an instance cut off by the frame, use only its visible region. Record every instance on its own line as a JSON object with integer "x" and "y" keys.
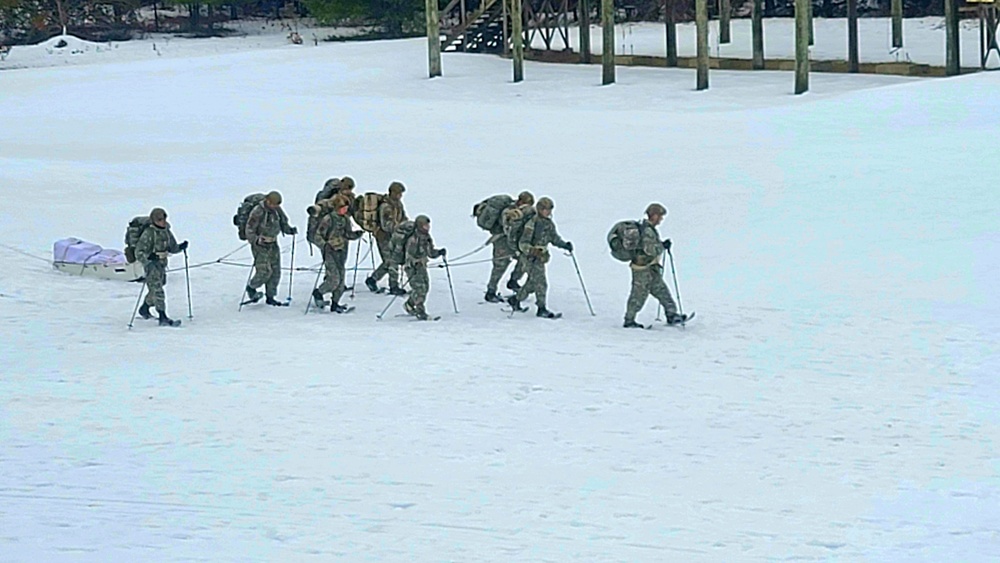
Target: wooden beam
{"x": 608, "y": 50}
{"x": 852, "y": 35}
{"x": 584, "y": 7}
{"x": 433, "y": 38}
{"x": 671, "y": 22}
{"x": 701, "y": 25}
{"x": 517, "y": 38}
{"x": 897, "y": 23}
{"x": 952, "y": 59}
{"x": 801, "y": 46}
{"x": 725, "y": 29}
{"x": 757, "y": 25}
{"x": 812, "y": 30}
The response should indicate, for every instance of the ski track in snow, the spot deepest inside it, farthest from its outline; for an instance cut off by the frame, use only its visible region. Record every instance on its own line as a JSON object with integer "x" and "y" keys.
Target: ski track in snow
{"x": 834, "y": 399}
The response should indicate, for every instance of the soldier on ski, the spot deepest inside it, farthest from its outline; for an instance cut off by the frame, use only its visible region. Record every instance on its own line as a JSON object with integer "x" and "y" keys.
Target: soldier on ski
{"x": 647, "y": 271}
{"x": 265, "y": 222}
{"x": 153, "y": 249}
{"x": 390, "y": 214}
{"x": 335, "y": 231}
{"x": 504, "y": 253}
{"x": 419, "y": 249}
{"x": 539, "y": 232}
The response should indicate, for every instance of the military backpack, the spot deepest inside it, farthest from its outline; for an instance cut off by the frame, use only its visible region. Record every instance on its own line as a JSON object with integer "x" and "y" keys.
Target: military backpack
{"x": 513, "y": 221}
{"x": 488, "y": 211}
{"x": 366, "y": 211}
{"x": 397, "y": 243}
{"x": 135, "y": 229}
{"x": 625, "y": 240}
{"x": 243, "y": 213}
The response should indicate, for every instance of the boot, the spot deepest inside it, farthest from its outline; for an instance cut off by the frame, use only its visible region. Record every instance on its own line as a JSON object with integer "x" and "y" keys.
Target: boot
{"x": 632, "y": 324}
{"x": 372, "y": 284}
{"x": 545, "y": 313}
{"x": 513, "y": 285}
{"x": 410, "y": 310}
{"x": 144, "y": 311}
{"x": 337, "y": 308}
{"x": 492, "y": 297}
{"x": 397, "y": 291}
{"x": 270, "y": 301}
{"x": 167, "y": 321}
{"x": 674, "y": 318}
{"x": 253, "y": 295}
{"x": 318, "y": 299}
{"x": 515, "y": 303}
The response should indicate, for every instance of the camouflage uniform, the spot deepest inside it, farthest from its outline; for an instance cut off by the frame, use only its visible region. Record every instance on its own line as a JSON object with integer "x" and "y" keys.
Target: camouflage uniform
{"x": 539, "y": 232}
{"x": 336, "y": 230}
{"x": 647, "y": 275}
{"x": 503, "y": 253}
{"x": 161, "y": 242}
{"x": 263, "y": 227}
{"x": 390, "y": 214}
{"x": 419, "y": 249}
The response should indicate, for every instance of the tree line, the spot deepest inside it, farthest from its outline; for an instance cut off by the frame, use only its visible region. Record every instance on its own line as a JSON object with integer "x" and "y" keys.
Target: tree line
{"x": 32, "y": 21}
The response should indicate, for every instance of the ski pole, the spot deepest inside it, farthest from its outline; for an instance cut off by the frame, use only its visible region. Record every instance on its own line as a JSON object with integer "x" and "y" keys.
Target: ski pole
{"x": 137, "y": 300}
{"x": 659, "y": 306}
{"x": 584, "y": 287}
{"x": 677, "y": 290}
{"x": 391, "y": 301}
{"x": 450, "y": 286}
{"x": 371, "y": 250}
{"x": 291, "y": 271}
{"x": 315, "y": 284}
{"x": 245, "y": 286}
{"x": 357, "y": 258}
{"x": 187, "y": 278}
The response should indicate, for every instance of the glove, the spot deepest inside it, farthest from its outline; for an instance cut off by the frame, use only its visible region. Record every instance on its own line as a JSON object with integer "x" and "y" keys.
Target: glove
{"x": 182, "y": 246}
{"x": 442, "y": 252}
{"x": 153, "y": 257}
{"x": 293, "y": 231}
{"x": 569, "y": 246}
{"x": 667, "y": 244}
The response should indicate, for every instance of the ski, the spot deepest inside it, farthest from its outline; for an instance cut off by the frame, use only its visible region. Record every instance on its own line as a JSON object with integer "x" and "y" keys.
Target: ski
{"x": 345, "y": 311}
{"x": 412, "y": 318}
{"x": 171, "y": 322}
{"x": 553, "y": 317}
{"x": 249, "y": 302}
{"x": 679, "y": 324}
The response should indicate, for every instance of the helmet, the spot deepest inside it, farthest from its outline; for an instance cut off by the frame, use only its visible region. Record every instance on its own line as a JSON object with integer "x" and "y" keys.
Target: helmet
{"x": 274, "y": 198}
{"x": 332, "y": 184}
{"x": 157, "y": 214}
{"x": 545, "y": 203}
{"x": 397, "y": 187}
{"x": 347, "y": 183}
{"x": 525, "y": 198}
{"x": 422, "y": 220}
{"x": 656, "y": 209}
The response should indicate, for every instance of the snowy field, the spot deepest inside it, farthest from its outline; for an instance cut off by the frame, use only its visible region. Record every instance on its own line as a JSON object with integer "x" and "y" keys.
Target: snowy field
{"x": 835, "y": 399}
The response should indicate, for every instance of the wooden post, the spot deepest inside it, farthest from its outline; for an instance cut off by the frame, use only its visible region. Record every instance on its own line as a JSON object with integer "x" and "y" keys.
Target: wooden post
{"x": 952, "y": 64}
{"x": 433, "y": 38}
{"x": 584, "y": 7}
{"x": 701, "y": 25}
{"x": 852, "y": 35}
{"x": 506, "y": 31}
{"x": 517, "y": 38}
{"x": 757, "y": 25}
{"x": 801, "y": 46}
{"x": 725, "y": 10}
{"x": 897, "y": 23}
{"x": 608, "y": 52}
{"x": 812, "y": 31}
{"x": 463, "y": 19}
{"x": 671, "y": 22}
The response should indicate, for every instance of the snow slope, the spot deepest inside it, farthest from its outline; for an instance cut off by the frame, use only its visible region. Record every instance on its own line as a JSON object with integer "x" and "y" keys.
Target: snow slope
{"x": 834, "y": 400}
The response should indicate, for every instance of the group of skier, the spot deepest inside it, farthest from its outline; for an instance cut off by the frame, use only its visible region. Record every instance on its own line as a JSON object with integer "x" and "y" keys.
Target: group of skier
{"x": 521, "y": 230}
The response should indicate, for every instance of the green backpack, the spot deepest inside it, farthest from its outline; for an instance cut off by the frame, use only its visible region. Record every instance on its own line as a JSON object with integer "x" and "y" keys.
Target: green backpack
{"x": 135, "y": 229}
{"x": 625, "y": 238}
{"x": 488, "y": 211}
{"x": 397, "y": 243}
{"x": 513, "y": 221}
{"x": 243, "y": 213}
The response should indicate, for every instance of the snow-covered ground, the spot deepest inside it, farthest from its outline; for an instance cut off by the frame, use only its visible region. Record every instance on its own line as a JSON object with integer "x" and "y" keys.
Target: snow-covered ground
{"x": 835, "y": 398}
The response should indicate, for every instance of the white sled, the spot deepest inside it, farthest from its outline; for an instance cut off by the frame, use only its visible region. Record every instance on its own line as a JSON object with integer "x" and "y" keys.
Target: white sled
{"x": 82, "y": 258}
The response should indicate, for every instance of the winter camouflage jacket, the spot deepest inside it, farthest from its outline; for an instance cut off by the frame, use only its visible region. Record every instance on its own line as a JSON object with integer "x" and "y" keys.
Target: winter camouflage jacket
{"x": 336, "y": 230}
{"x": 266, "y": 224}
{"x": 539, "y": 232}
{"x": 390, "y": 214}
{"x": 419, "y": 249}
{"x": 650, "y": 247}
{"x": 156, "y": 240}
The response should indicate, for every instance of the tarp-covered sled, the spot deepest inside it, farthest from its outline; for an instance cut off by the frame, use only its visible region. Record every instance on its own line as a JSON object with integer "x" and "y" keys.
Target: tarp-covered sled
{"x": 87, "y": 259}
